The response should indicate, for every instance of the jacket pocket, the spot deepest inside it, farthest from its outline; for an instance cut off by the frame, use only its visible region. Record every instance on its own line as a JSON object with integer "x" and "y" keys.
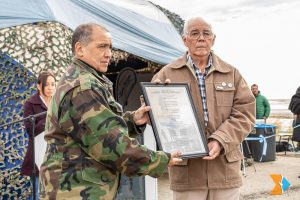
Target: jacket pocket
{"x": 96, "y": 173}
{"x": 101, "y": 177}
{"x": 179, "y": 173}
{"x": 233, "y": 164}
{"x": 224, "y": 93}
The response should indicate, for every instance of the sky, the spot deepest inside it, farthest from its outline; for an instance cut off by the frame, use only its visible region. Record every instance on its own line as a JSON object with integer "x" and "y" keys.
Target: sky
{"x": 261, "y": 38}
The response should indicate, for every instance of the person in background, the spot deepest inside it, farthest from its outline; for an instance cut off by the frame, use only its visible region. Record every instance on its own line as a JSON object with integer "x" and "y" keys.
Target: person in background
{"x": 225, "y": 107}
{"x": 36, "y": 104}
{"x": 294, "y": 107}
{"x": 262, "y": 104}
{"x": 87, "y": 132}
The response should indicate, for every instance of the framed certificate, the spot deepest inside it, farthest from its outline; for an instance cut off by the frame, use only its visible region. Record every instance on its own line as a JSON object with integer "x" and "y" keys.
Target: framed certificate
{"x": 174, "y": 119}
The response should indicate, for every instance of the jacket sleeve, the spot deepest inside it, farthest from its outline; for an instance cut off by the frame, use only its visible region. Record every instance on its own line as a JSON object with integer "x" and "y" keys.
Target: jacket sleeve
{"x": 267, "y": 107}
{"x": 39, "y": 127}
{"x": 295, "y": 103}
{"x": 133, "y": 129}
{"x": 103, "y": 135}
{"x": 241, "y": 120}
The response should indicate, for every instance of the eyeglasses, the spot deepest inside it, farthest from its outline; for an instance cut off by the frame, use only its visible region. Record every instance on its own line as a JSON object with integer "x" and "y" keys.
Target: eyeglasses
{"x": 196, "y": 35}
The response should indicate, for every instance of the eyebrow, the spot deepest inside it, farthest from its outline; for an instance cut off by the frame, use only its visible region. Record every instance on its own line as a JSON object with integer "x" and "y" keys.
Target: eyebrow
{"x": 104, "y": 43}
{"x": 196, "y": 29}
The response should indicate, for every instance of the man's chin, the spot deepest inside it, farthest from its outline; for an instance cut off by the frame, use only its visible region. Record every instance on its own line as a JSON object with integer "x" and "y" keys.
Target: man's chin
{"x": 103, "y": 68}
{"x": 201, "y": 53}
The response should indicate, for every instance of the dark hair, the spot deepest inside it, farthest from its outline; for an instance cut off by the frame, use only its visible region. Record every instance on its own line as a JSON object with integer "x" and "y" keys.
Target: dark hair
{"x": 83, "y": 34}
{"x": 42, "y": 79}
{"x": 254, "y": 85}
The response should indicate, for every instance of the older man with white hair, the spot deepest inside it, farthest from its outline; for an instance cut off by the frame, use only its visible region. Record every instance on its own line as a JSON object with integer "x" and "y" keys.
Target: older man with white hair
{"x": 225, "y": 107}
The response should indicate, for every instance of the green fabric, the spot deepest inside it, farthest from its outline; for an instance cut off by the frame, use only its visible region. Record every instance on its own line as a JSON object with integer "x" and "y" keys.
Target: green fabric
{"x": 262, "y": 106}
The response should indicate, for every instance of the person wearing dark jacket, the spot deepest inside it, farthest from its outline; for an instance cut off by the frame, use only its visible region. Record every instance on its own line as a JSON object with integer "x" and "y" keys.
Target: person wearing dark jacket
{"x": 38, "y": 103}
{"x": 294, "y": 107}
{"x": 262, "y": 104}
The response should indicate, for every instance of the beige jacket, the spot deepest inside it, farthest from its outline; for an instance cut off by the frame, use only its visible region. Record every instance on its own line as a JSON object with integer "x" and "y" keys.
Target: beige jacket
{"x": 231, "y": 107}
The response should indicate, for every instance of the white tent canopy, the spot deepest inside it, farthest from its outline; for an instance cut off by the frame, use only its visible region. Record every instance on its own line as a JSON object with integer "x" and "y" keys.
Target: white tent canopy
{"x": 136, "y": 26}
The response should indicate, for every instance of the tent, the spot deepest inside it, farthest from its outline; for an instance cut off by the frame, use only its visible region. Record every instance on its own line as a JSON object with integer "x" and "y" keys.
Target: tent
{"x": 136, "y": 26}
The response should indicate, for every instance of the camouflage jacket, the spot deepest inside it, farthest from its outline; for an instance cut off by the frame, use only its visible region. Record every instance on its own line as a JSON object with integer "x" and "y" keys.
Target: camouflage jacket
{"x": 88, "y": 140}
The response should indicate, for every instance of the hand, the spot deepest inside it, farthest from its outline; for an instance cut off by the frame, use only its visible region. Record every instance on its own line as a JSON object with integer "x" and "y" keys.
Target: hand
{"x": 158, "y": 81}
{"x": 175, "y": 159}
{"x": 141, "y": 116}
{"x": 214, "y": 148}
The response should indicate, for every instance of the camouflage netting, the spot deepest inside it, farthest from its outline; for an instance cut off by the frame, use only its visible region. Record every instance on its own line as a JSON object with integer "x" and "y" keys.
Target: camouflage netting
{"x": 16, "y": 85}
{"x": 38, "y": 46}
{"x": 46, "y": 45}
{"x": 25, "y": 51}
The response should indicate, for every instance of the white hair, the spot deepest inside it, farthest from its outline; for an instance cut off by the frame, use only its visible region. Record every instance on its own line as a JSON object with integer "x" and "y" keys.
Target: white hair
{"x": 189, "y": 20}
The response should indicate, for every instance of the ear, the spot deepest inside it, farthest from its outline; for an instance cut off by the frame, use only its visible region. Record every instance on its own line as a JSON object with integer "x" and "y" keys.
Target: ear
{"x": 184, "y": 39}
{"x": 213, "y": 40}
{"x": 79, "y": 49}
{"x": 39, "y": 87}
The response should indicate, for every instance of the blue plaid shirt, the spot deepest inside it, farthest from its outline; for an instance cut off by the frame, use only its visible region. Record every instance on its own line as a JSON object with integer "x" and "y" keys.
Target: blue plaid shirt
{"x": 201, "y": 83}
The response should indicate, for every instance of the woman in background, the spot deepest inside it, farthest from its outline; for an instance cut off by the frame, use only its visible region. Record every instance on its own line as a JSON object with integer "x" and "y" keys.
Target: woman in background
{"x": 38, "y": 103}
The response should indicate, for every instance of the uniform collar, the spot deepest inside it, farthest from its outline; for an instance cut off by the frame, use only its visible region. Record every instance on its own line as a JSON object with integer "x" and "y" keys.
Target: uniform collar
{"x": 91, "y": 70}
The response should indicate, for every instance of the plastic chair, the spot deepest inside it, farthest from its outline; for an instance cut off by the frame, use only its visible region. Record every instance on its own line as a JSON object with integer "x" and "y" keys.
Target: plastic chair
{"x": 285, "y": 137}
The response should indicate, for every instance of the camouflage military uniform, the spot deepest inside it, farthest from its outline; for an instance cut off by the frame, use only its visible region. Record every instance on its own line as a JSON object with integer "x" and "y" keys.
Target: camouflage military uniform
{"x": 88, "y": 142}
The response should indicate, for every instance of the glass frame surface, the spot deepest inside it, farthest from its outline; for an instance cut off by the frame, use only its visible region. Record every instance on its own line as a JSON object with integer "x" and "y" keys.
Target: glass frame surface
{"x": 174, "y": 119}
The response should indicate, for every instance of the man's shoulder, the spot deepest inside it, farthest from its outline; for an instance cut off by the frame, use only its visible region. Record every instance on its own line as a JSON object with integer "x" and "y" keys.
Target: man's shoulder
{"x": 221, "y": 65}
{"x": 264, "y": 97}
{"x": 78, "y": 77}
{"x": 260, "y": 96}
{"x": 179, "y": 62}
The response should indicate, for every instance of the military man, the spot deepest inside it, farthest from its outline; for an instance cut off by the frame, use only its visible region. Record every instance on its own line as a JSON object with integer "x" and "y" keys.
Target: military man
{"x": 86, "y": 131}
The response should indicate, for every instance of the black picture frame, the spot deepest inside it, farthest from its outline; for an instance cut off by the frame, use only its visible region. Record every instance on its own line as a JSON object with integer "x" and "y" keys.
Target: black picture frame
{"x": 174, "y": 119}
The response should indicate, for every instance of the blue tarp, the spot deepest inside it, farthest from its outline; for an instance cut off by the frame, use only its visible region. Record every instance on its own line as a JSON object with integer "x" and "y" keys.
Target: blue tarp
{"x": 136, "y": 26}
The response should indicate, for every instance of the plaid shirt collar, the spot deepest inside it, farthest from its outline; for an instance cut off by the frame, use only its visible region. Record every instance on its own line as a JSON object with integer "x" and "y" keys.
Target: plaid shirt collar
{"x": 208, "y": 66}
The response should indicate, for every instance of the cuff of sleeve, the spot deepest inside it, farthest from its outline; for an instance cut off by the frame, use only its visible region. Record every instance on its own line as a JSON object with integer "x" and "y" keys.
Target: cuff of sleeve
{"x": 133, "y": 129}
{"x": 222, "y": 139}
{"x": 169, "y": 156}
{"x": 137, "y": 128}
{"x": 164, "y": 159}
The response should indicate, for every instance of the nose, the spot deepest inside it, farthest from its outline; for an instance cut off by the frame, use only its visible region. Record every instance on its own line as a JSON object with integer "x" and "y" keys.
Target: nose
{"x": 201, "y": 36}
{"x": 108, "y": 53}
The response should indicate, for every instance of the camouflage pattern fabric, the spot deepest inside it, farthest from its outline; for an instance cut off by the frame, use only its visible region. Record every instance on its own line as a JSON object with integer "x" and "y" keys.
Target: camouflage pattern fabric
{"x": 16, "y": 85}
{"x": 88, "y": 140}
{"x": 39, "y": 46}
